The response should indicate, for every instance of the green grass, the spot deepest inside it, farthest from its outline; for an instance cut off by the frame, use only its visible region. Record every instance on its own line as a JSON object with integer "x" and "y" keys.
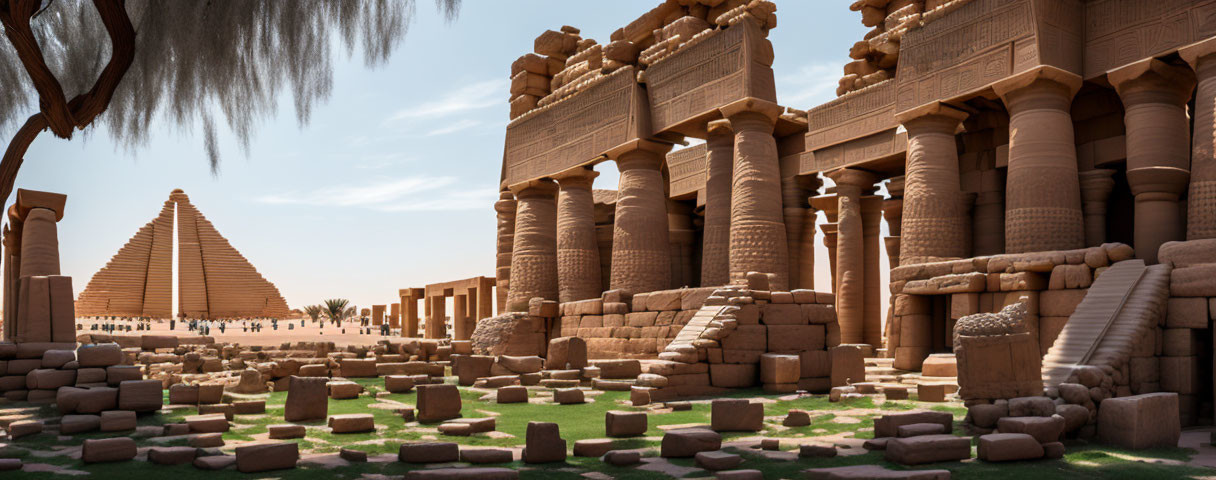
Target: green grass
{"x": 586, "y": 421}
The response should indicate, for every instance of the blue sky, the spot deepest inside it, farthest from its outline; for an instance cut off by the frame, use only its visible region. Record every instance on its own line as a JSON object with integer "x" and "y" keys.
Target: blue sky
{"x": 392, "y": 183}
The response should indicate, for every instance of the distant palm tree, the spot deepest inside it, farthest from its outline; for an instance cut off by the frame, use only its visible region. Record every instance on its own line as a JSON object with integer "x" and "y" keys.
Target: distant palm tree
{"x": 335, "y": 309}
{"x": 314, "y": 312}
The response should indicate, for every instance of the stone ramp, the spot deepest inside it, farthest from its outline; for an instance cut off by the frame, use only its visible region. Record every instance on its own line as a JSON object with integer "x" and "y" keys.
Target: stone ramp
{"x": 692, "y": 330}
{"x": 1109, "y": 295}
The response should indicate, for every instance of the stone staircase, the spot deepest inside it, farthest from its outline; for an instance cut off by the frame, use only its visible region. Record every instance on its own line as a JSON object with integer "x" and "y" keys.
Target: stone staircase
{"x": 681, "y": 348}
{"x": 1121, "y": 305}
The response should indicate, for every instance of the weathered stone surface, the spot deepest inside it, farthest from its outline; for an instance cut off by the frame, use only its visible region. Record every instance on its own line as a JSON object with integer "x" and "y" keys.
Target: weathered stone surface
{"x": 117, "y": 449}
{"x": 1004, "y": 447}
{"x": 686, "y": 442}
{"x": 438, "y": 402}
{"x": 928, "y": 449}
{"x": 307, "y": 399}
{"x": 267, "y": 456}
{"x": 1140, "y": 421}
{"x": 428, "y": 452}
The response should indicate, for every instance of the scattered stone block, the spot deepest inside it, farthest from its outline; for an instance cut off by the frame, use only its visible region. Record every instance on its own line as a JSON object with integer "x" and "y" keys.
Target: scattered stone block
{"x": 172, "y": 455}
{"x": 398, "y": 383}
{"x": 918, "y": 429}
{"x": 438, "y": 402}
{"x": 1043, "y": 429}
{"x": 1140, "y": 421}
{"x": 816, "y": 451}
{"x": 352, "y": 423}
{"x": 343, "y": 390}
{"x": 267, "y": 456}
{"x": 797, "y": 418}
{"x": 428, "y": 453}
{"x": 207, "y": 440}
{"x": 1005, "y": 447}
{"x": 98, "y": 450}
{"x": 214, "y": 462}
{"x": 479, "y": 473}
{"x": 736, "y": 415}
{"x": 874, "y": 472}
{"x": 622, "y": 458}
{"x": 212, "y": 423}
{"x": 717, "y": 460}
{"x": 24, "y": 428}
{"x": 284, "y": 432}
{"x": 73, "y": 424}
{"x": 511, "y": 394}
{"x": 568, "y": 396}
{"x": 888, "y": 425}
{"x": 543, "y": 443}
{"x": 118, "y": 421}
{"x": 140, "y": 395}
{"x": 625, "y": 424}
{"x": 687, "y": 442}
{"x": 928, "y": 449}
{"x": 486, "y": 455}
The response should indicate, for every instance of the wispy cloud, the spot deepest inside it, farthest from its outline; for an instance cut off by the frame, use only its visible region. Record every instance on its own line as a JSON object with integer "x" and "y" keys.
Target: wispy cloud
{"x": 811, "y": 85}
{"x": 414, "y": 193}
{"x": 474, "y": 96}
{"x": 378, "y": 161}
{"x": 453, "y": 127}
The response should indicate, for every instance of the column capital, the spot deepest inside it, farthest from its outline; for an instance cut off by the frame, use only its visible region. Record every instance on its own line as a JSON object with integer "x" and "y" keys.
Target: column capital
{"x": 1096, "y": 184}
{"x": 1167, "y": 180}
{"x": 1197, "y": 52}
{"x": 751, "y": 104}
{"x": 1152, "y": 76}
{"x": 641, "y": 144}
{"x": 853, "y": 177}
{"x": 535, "y": 188}
{"x": 719, "y": 128}
{"x": 934, "y": 109}
{"x": 576, "y": 176}
{"x": 1066, "y": 79}
{"x": 824, "y": 203}
{"x": 506, "y": 203}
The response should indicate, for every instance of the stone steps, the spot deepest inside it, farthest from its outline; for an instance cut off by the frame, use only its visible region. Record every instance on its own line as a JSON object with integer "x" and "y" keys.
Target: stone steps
{"x": 1105, "y": 323}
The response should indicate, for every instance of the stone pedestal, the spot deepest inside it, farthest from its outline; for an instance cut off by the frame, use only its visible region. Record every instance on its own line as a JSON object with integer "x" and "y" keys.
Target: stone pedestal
{"x": 850, "y": 252}
{"x": 640, "y": 243}
{"x": 934, "y": 219}
{"x": 1043, "y": 195}
{"x": 715, "y": 241}
{"x": 1201, "y": 200}
{"x": 578, "y": 255}
{"x": 757, "y": 229}
{"x": 534, "y": 253}
{"x": 1096, "y": 186}
{"x": 505, "y": 208}
{"x": 1154, "y": 98}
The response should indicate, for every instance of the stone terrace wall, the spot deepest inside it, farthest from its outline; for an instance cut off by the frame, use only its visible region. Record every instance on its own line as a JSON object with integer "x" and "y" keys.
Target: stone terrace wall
{"x": 639, "y": 326}
{"x": 1053, "y": 282}
{"x": 1186, "y": 340}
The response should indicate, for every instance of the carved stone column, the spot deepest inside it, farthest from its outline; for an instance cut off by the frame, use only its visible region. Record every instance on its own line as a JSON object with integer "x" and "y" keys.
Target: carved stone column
{"x": 505, "y": 208}
{"x": 850, "y": 252}
{"x": 640, "y": 245}
{"x": 681, "y": 234}
{"x": 893, "y": 212}
{"x": 1096, "y": 186}
{"x": 794, "y": 192}
{"x": 1043, "y": 194}
{"x": 534, "y": 253}
{"x": 828, "y": 204}
{"x": 578, "y": 255}
{"x": 806, "y": 256}
{"x": 871, "y": 217}
{"x": 934, "y": 219}
{"x": 719, "y": 165}
{"x": 757, "y": 229}
{"x": 1201, "y": 200}
{"x": 1154, "y": 98}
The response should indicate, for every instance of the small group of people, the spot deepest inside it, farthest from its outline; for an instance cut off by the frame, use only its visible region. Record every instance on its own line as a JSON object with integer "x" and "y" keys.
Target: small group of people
{"x": 121, "y": 324}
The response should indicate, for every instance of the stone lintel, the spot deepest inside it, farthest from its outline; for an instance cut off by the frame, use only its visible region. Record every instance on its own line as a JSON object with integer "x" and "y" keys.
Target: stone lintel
{"x": 576, "y": 173}
{"x": 1043, "y": 72}
{"x": 540, "y": 185}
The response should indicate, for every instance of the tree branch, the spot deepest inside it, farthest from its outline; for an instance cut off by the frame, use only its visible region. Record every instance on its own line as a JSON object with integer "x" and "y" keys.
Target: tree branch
{"x": 15, "y": 16}
{"x": 15, "y": 153}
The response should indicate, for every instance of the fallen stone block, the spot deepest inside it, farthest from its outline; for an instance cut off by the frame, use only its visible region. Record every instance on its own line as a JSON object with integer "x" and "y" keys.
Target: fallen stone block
{"x": 172, "y": 455}
{"x": 267, "y": 456}
{"x": 625, "y": 424}
{"x": 486, "y": 455}
{"x": 874, "y": 472}
{"x": 307, "y": 399}
{"x": 98, "y": 450}
{"x": 1005, "y": 447}
{"x": 736, "y": 415}
{"x": 214, "y": 462}
{"x": 1043, "y": 429}
{"x": 479, "y": 473}
{"x": 687, "y": 442}
{"x": 284, "y": 432}
{"x": 543, "y": 443}
{"x": 428, "y": 453}
{"x": 592, "y": 447}
{"x": 717, "y": 460}
{"x": 352, "y": 423}
{"x": 928, "y": 449}
{"x": 1140, "y": 421}
{"x": 438, "y": 402}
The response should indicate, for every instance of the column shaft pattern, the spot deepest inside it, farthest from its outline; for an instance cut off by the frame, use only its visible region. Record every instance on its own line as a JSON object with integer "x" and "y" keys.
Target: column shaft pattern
{"x": 534, "y": 253}
{"x": 640, "y": 245}
{"x": 757, "y": 230}
{"x": 578, "y": 255}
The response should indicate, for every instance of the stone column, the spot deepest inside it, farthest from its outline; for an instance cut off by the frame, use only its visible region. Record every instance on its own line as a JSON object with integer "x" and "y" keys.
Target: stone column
{"x": 828, "y": 204}
{"x": 39, "y": 244}
{"x": 505, "y": 206}
{"x": 435, "y": 325}
{"x": 1096, "y": 186}
{"x": 933, "y": 212}
{"x": 10, "y": 282}
{"x": 578, "y": 255}
{"x": 681, "y": 234}
{"x": 1201, "y": 200}
{"x": 640, "y": 245}
{"x": 534, "y": 253}
{"x": 1043, "y": 194}
{"x": 757, "y": 229}
{"x": 409, "y": 315}
{"x": 851, "y": 184}
{"x": 806, "y": 247}
{"x": 462, "y": 328}
{"x": 1154, "y": 96}
{"x": 715, "y": 242}
{"x": 988, "y": 220}
{"x": 794, "y": 192}
{"x": 893, "y": 213}
{"x": 871, "y": 217}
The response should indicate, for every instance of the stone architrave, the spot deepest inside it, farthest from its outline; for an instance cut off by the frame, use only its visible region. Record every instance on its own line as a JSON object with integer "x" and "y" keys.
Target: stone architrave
{"x": 641, "y": 247}
{"x": 578, "y": 256}
{"x": 1201, "y": 198}
{"x": 850, "y": 252}
{"x": 1096, "y": 186}
{"x": 1154, "y": 96}
{"x": 934, "y": 219}
{"x": 534, "y": 255}
{"x": 758, "y": 241}
{"x": 1043, "y": 193}
{"x": 719, "y": 165}
{"x": 505, "y": 210}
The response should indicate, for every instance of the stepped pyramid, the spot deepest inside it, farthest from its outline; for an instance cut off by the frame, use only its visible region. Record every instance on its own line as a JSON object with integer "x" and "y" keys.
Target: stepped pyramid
{"x": 214, "y": 279}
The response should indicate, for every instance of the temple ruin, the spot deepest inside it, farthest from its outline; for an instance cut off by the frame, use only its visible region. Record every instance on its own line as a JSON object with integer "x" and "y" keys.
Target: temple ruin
{"x": 214, "y": 279}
